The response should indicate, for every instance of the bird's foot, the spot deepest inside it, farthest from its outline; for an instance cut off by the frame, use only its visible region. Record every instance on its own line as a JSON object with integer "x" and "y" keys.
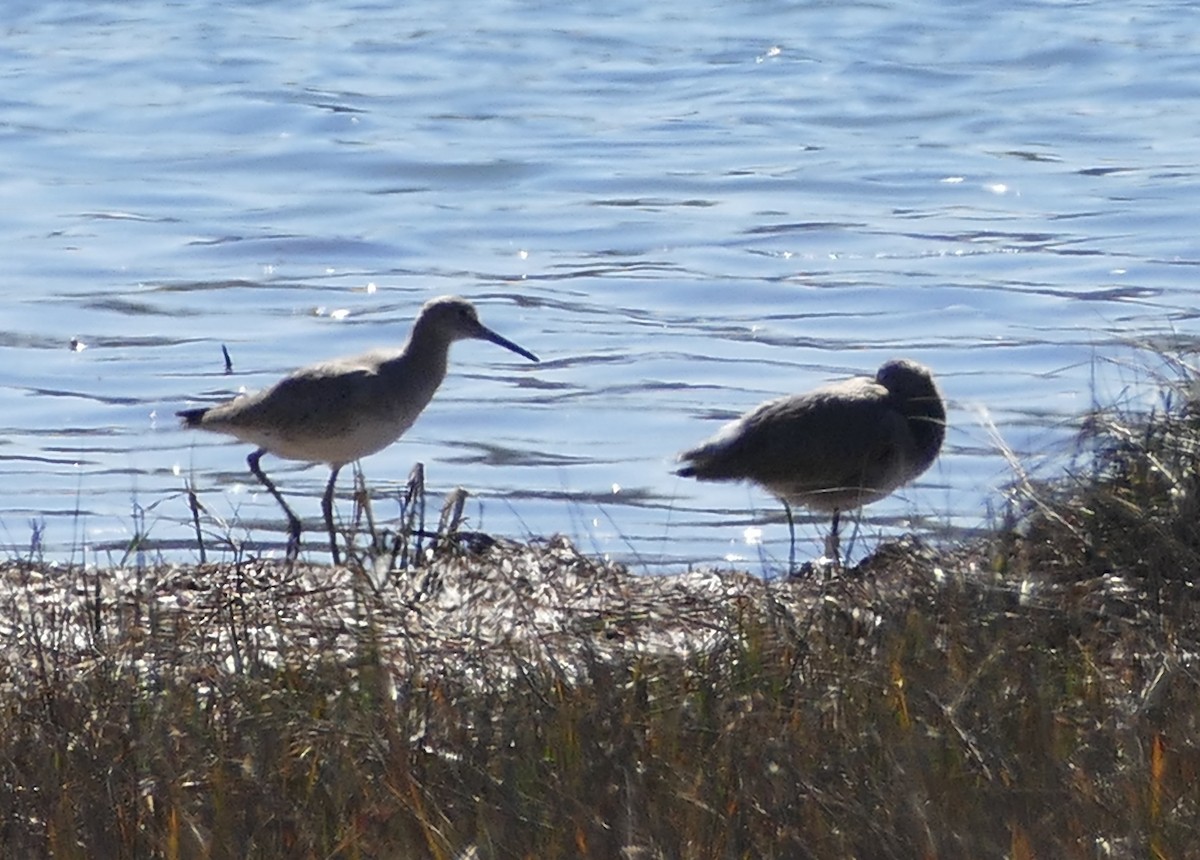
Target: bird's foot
{"x": 293, "y": 541}
{"x": 824, "y": 567}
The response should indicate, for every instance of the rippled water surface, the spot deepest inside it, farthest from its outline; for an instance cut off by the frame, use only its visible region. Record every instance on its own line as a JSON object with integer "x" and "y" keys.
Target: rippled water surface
{"x": 683, "y": 209}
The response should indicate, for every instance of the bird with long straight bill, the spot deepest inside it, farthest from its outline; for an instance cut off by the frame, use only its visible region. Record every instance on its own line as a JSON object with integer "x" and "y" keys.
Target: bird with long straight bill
{"x": 338, "y": 411}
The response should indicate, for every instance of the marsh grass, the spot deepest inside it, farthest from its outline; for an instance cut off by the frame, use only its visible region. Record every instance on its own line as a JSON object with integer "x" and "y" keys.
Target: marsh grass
{"x": 1034, "y": 694}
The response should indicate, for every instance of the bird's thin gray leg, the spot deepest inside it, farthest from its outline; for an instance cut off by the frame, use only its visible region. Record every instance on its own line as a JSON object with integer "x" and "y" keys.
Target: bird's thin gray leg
{"x": 327, "y": 510}
{"x": 293, "y": 544}
{"x": 792, "y": 538}
{"x": 833, "y": 546}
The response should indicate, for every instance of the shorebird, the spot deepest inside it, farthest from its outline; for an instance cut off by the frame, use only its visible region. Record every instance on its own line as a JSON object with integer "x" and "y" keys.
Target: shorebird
{"x": 834, "y": 448}
{"x": 338, "y": 411}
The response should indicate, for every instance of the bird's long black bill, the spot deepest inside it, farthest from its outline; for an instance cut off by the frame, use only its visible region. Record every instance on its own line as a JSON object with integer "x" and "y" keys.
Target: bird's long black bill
{"x": 487, "y": 334}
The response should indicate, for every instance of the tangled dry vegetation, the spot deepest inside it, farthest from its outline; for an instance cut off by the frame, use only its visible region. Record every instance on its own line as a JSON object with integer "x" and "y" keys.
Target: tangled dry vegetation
{"x": 1035, "y": 694}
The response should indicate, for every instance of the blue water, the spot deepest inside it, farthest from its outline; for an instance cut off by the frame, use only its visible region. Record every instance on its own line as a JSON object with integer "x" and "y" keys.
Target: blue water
{"x": 683, "y": 208}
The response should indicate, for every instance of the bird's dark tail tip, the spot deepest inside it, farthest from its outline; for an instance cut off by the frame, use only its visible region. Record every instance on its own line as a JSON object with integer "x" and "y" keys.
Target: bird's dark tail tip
{"x": 691, "y": 464}
{"x": 705, "y": 464}
{"x": 192, "y": 417}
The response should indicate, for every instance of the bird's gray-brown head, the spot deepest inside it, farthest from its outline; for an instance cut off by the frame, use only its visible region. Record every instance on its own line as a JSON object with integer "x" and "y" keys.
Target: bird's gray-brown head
{"x": 450, "y": 318}
{"x": 911, "y": 385}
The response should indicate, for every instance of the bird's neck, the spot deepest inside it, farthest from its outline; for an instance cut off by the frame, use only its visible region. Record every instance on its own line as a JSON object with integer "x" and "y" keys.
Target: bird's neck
{"x": 425, "y": 357}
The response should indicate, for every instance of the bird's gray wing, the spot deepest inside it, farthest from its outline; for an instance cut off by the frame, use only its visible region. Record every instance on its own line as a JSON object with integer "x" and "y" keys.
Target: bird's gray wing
{"x": 321, "y": 393}
{"x": 820, "y": 441}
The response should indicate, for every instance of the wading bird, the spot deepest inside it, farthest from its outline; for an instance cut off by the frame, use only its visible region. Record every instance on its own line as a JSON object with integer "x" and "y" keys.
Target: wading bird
{"x": 834, "y": 448}
{"x": 338, "y": 411}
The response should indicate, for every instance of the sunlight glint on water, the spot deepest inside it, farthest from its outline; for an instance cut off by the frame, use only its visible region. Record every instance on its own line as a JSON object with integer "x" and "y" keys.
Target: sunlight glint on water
{"x": 684, "y": 210}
